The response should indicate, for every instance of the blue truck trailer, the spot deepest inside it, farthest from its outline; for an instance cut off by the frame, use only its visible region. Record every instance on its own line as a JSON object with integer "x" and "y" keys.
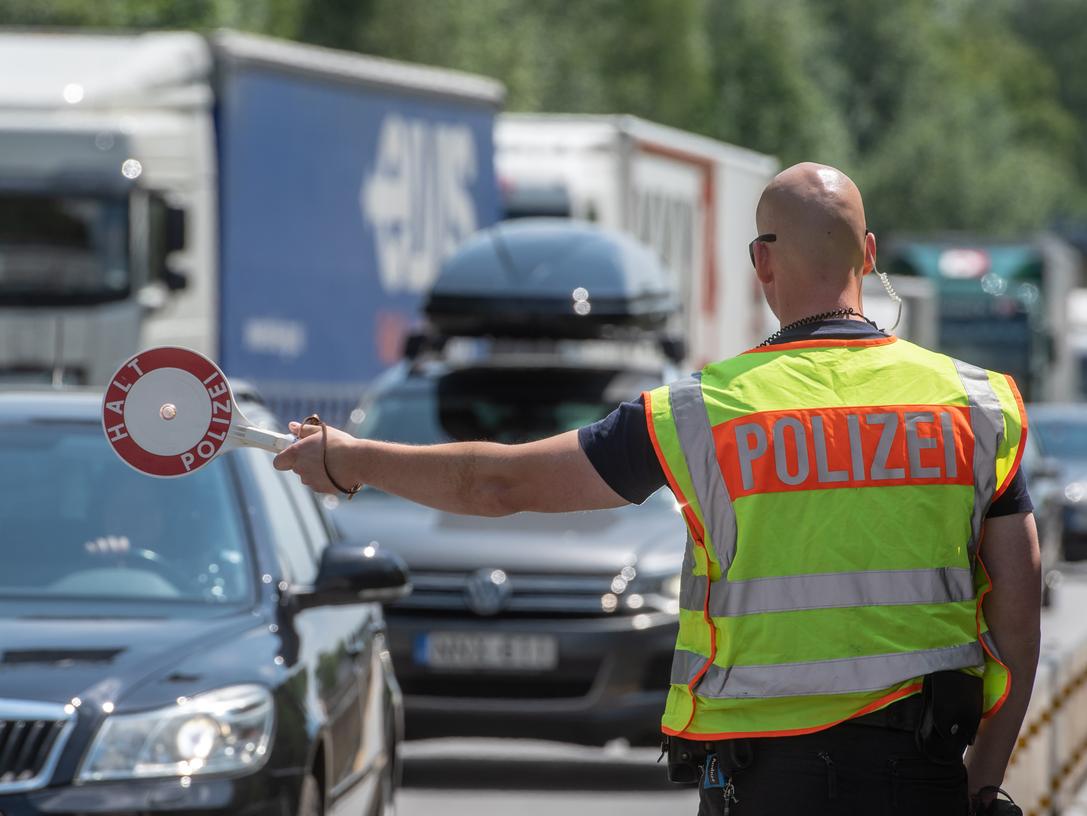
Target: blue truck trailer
{"x": 279, "y": 207}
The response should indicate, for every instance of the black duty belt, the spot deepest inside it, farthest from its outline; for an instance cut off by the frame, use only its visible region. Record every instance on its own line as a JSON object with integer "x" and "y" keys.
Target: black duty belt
{"x": 901, "y": 715}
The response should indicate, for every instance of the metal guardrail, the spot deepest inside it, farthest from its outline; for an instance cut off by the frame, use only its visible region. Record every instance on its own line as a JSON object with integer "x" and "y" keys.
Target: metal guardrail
{"x": 1049, "y": 764}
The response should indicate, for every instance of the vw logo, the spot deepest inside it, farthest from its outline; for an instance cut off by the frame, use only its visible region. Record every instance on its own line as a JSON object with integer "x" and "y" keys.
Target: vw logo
{"x": 487, "y": 591}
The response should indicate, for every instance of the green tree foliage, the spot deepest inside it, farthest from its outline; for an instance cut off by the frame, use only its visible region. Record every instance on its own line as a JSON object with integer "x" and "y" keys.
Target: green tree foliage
{"x": 951, "y": 114}
{"x": 774, "y": 82}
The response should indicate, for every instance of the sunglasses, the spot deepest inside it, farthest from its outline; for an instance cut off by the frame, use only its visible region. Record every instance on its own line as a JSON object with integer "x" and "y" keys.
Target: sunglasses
{"x": 766, "y": 238}
{"x": 769, "y": 238}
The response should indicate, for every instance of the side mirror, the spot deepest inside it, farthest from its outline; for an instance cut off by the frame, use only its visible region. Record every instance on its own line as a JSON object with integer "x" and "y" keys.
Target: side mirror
{"x": 351, "y": 574}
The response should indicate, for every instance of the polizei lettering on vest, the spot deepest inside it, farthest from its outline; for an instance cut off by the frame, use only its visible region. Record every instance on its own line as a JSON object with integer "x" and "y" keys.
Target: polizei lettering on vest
{"x": 845, "y": 447}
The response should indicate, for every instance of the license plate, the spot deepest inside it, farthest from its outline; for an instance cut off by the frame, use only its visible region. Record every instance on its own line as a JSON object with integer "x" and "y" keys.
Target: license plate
{"x": 471, "y": 650}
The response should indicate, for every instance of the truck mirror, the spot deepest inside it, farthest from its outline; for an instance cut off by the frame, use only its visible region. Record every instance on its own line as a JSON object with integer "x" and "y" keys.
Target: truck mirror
{"x": 174, "y": 230}
{"x": 168, "y": 236}
{"x": 174, "y": 280}
{"x": 674, "y": 348}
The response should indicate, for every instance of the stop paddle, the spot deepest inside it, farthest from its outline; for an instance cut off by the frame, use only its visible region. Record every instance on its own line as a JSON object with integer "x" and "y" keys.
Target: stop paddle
{"x": 168, "y": 411}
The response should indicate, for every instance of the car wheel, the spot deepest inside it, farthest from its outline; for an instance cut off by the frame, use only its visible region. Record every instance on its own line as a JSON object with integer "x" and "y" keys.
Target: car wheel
{"x": 309, "y": 802}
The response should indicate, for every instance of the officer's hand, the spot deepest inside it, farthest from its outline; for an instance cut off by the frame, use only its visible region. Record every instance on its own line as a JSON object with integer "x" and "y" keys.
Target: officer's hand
{"x": 307, "y": 457}
{"x": 987, "y": 803}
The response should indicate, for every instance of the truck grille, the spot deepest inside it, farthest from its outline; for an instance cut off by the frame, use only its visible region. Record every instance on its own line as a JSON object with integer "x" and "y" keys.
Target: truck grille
{"x": 32, "y": 736}
{"x": 531, "y": 595}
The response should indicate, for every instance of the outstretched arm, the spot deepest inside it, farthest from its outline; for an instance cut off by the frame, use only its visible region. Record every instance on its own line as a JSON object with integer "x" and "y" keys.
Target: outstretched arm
{"x": 1013, "y": 611}
{"x": 474, "y": 478}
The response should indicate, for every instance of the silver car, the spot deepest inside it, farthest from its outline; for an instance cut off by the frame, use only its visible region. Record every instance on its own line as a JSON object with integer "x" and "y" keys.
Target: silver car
{"x": 541, "y": 626}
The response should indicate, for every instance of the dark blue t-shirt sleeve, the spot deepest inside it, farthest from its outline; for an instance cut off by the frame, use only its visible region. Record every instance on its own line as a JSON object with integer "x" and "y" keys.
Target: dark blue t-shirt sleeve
{"x": 1014, "y": 499}
{"x": 620, "y": 449}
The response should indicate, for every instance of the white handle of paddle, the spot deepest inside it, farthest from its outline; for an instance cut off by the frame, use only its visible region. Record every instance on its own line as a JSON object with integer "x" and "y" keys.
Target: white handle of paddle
{"x": 260, "y": 438}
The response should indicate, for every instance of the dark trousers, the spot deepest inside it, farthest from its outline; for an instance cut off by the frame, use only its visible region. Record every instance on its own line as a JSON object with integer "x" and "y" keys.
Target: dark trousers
{"x": 848, "y": 770}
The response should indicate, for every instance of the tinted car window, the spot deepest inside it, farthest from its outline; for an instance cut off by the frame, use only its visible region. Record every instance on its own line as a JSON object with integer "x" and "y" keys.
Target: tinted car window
{"x": 312, "y": 521}
{"x": 77, "y": 522}
{"x": 518, "y": 405}
{"x": 288, "y": 534}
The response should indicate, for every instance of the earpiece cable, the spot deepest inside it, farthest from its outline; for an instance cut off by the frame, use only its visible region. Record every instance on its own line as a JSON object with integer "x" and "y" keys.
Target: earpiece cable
{"x": 892, "y": 294}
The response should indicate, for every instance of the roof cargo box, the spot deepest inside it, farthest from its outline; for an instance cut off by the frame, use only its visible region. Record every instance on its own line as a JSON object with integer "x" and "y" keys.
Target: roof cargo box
{"x": 551, "y": 277}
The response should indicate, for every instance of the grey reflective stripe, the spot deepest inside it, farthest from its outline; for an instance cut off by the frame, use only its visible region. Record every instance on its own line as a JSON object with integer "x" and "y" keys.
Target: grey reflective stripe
{"x": 692, "y": 588}
{"x": 990, "y": 645}
{"x": 840, "y": 676}
{"x": 987, "y": 424}
{"x": 840, "y": 589}
{"x": 696, "y": 441}
{"x": 692, "y": 592}
{"x": 686, "y": 666}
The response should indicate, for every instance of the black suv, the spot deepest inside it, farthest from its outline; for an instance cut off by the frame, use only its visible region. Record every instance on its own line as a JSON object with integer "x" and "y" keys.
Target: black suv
{"x": 180, "y": 645}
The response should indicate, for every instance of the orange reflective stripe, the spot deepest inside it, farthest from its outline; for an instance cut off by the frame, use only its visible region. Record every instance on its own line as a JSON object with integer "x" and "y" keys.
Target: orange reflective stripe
{"x": 866, "y": 446}
{"x": 697, "y": 531}
{"x": 828, "y": 343}
{"x": 1022, "y": 439}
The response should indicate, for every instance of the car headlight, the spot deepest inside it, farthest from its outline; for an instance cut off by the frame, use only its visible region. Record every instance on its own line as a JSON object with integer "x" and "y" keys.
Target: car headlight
{"x": 655, "y": 593}
{"x": 670, "y": 587}
{"x": 223, "y": 731}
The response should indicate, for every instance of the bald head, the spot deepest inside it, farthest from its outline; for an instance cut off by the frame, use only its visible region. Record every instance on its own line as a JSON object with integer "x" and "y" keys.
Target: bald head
{"x": 818, "y": 259}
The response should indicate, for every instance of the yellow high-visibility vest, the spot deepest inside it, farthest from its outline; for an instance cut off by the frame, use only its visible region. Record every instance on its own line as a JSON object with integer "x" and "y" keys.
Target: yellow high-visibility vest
{"x": 834, "y": 493}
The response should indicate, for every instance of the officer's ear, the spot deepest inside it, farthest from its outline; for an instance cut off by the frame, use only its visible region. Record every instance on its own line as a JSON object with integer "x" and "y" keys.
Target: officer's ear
{"x": 869, "y": 263}
{"x": 762, "y": 263}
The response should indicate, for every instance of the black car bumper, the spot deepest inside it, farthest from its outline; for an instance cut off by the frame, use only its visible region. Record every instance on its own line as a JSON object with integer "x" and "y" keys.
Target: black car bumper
{"x": 253, "y": 795}
{"x": 610, "y": 682}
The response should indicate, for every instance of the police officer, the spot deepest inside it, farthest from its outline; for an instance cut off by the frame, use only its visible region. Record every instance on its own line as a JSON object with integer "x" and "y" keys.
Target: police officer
{"x": 861, "y": 582}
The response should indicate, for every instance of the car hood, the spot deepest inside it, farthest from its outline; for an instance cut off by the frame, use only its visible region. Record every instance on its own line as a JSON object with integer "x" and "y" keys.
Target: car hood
{"x": 596, "y": 542}
{"x": 53, "y": 655}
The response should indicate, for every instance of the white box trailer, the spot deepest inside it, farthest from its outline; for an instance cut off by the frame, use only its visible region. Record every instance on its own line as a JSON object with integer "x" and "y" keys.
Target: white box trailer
{"x": 690, "y": 198}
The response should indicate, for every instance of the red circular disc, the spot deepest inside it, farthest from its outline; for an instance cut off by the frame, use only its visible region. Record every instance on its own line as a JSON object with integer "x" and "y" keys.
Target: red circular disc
{"x": 167, "y": 411}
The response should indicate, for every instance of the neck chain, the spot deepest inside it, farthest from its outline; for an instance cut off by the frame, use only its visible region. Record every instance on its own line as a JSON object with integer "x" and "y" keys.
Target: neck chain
{"x": 816, "y": 318}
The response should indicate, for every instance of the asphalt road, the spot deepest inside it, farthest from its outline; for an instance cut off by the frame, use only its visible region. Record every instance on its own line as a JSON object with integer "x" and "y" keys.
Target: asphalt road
{"x": 527, "y": 778}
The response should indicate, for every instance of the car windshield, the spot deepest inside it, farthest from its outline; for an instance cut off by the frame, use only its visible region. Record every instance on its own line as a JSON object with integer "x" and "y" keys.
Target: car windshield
{"x": 1064, "y": 438}
{"x": 79, "y": 523}
{"x": 63, "y": 248}
{"x": 496, "y": 405}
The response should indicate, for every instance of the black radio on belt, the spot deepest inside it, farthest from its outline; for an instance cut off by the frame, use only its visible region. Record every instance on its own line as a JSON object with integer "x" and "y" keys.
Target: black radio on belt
{"x": 950, "y": 715}
{"x": 684, "y": 760}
